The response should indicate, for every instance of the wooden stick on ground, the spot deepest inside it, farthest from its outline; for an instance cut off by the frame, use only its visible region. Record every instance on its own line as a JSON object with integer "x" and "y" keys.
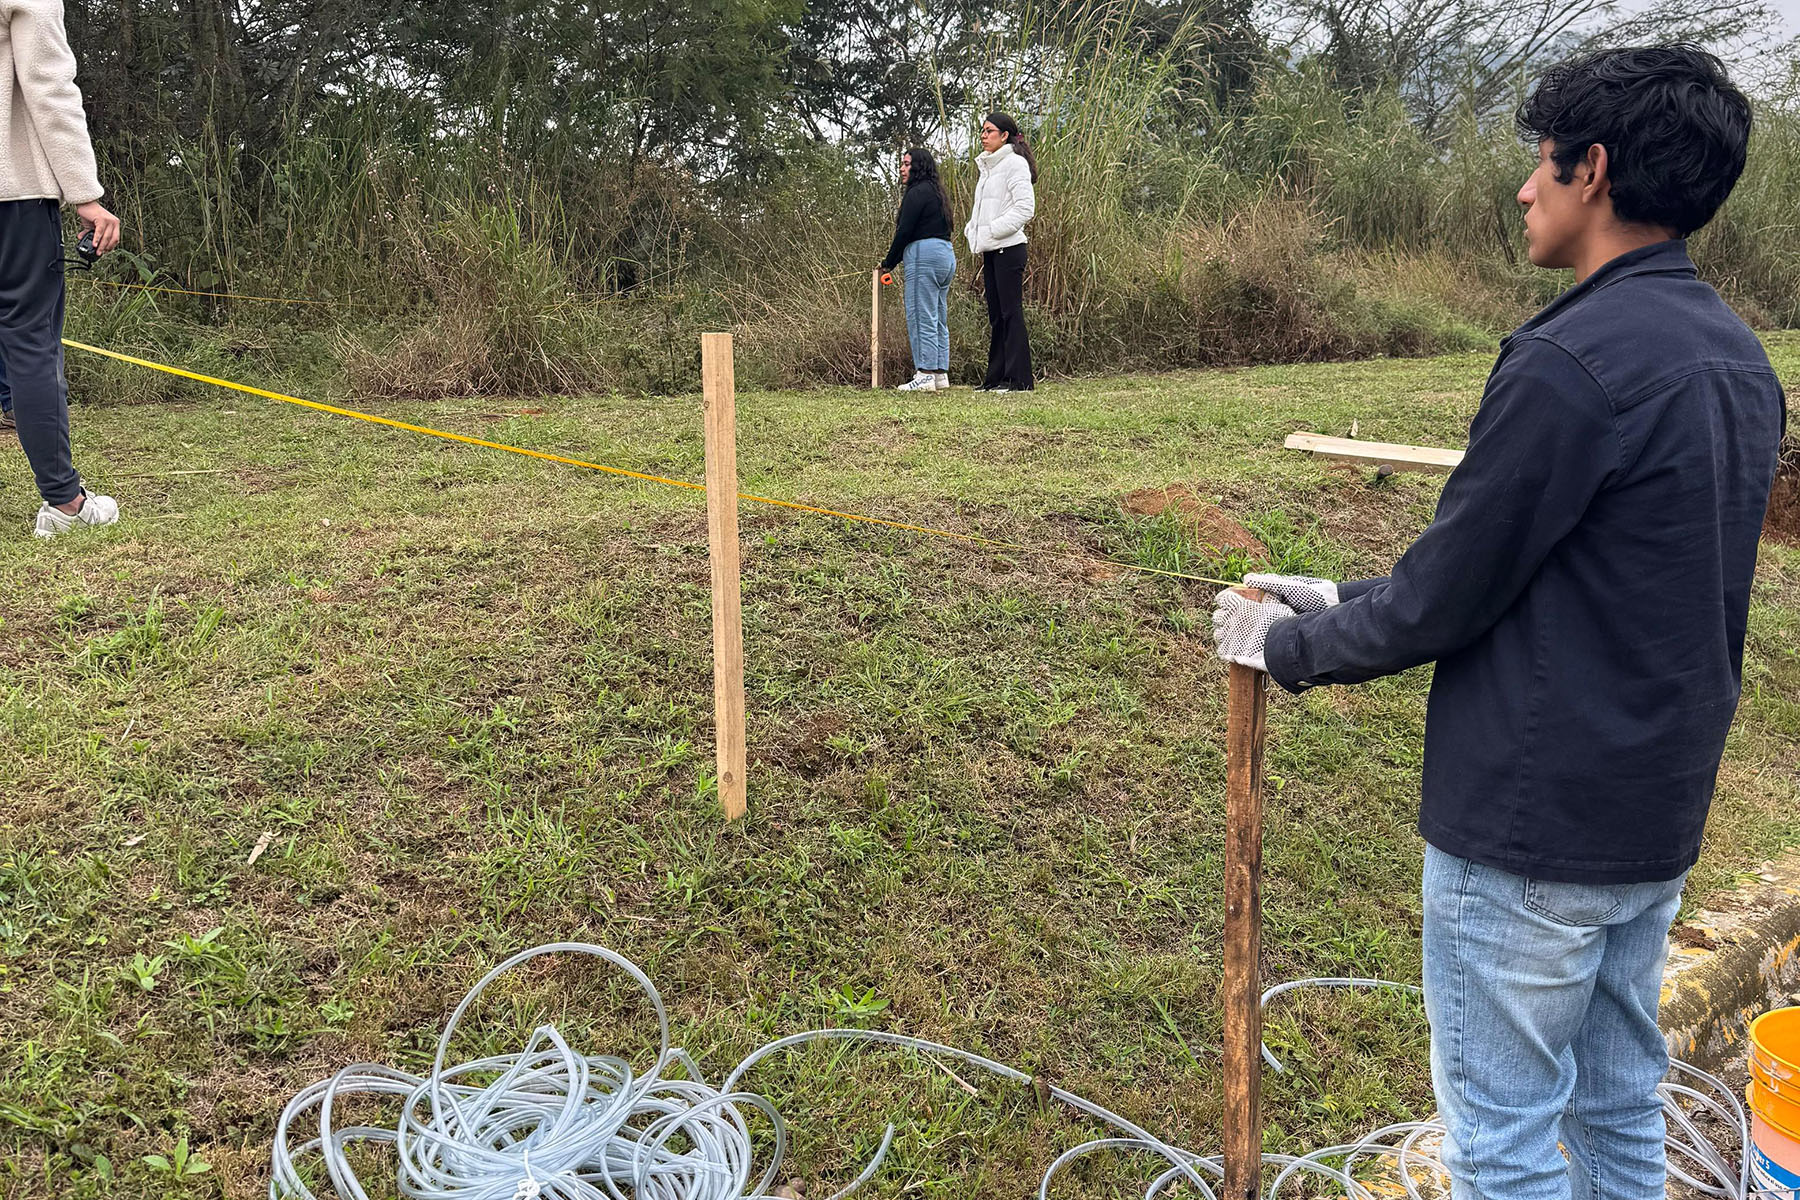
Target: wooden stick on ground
{"x": 1246, "y": 718}
{"x": 875, "y": 331}
{"x": 727, "y": 592}
{"x": 1431, "y": 459}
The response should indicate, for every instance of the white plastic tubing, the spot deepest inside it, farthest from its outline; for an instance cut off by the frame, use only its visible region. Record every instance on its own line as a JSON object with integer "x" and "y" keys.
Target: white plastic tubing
{"x": 551, "y": 1122}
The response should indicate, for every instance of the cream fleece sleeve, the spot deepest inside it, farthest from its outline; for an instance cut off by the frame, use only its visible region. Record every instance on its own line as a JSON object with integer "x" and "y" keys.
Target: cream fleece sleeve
{"x": 45, "y": 68}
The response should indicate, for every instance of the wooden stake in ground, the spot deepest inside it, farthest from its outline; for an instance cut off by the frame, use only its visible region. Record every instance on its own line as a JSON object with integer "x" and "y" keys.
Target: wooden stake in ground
{"x": 727, "y": 592}
{"x": 875, "y": 331}
{"x": 1246, "y": 717}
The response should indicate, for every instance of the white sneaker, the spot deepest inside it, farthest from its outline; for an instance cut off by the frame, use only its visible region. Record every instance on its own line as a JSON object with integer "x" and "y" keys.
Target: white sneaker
{"x": 943, "y": 380}
{"x": 95, "y": 510}
{"x": 997, "y": 389}
{"x": 922, "y": 382}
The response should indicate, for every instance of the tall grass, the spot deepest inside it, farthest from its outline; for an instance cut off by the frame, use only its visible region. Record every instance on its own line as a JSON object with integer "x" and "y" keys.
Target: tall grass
{"x": 1752, "y": 249}
{"x": 1305, "y": 222}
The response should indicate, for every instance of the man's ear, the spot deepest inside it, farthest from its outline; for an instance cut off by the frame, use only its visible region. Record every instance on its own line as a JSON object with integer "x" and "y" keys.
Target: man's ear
{"x": 1598, "y": 184}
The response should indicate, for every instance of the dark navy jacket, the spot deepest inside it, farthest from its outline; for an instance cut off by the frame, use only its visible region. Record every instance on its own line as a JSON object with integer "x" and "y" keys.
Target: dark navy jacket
{"x": 1585, "y": 585}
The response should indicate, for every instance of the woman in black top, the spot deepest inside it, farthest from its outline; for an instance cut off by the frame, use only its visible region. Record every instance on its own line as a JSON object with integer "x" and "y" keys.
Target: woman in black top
{"x": 922, "y": 242}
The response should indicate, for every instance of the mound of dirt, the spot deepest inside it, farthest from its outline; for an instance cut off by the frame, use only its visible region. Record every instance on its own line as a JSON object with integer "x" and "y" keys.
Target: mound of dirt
{"x": 1783, "y": 523}
{"x": 1208, "y": 523}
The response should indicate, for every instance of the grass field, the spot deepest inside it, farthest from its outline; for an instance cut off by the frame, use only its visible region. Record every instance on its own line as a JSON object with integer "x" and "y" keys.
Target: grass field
{"x": 469, "y": 696}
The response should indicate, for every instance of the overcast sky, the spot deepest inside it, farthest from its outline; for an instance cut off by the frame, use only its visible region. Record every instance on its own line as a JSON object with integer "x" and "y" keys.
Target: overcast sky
{"x": 1789, "y": 10}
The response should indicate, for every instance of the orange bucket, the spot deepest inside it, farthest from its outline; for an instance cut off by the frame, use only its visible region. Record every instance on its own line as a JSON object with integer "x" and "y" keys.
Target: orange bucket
{"x": 1775, "y": 1038}
{"x": 1780, "y": 1113}
{"x": 1765, "y": 1079}
{"x": 1774, "y": 1096}
{"x": 1774, "y": 1155}
{"x": 1774, "y": 1070}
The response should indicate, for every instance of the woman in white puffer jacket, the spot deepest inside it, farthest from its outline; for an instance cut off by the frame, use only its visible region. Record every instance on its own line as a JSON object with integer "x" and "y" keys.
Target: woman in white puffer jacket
{"x": 1005, "y": 199}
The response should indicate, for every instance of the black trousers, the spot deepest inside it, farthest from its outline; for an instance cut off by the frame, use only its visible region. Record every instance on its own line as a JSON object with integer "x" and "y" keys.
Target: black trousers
{"x": 1009, "y": 352}
{"x": 31, "y": 325}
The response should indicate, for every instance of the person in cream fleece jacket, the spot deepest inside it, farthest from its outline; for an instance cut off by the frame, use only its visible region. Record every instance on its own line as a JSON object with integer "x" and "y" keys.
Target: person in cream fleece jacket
{"x": 46, "y": 160}
{"x": 1005, "y": 199}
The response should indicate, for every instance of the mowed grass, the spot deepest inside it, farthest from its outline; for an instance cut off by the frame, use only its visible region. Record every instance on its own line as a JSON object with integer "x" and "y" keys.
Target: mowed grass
{"x": 466, "y": 699}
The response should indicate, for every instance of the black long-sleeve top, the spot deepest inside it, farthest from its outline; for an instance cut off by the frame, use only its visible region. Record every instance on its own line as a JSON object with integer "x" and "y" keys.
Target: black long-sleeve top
{"x": 921, "y": 216}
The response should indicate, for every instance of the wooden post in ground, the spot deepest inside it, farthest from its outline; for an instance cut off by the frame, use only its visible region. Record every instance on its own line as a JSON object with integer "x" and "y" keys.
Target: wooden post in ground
{"x": 1246, "y": 717}
{"x": 875, "y": 331}
{"x": 727, "y": 593}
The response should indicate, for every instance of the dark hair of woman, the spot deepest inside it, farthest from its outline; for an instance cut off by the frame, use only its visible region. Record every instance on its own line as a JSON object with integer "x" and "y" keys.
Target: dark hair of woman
{"x": 1015, "y": 138}
{"x": 924, "y": 169}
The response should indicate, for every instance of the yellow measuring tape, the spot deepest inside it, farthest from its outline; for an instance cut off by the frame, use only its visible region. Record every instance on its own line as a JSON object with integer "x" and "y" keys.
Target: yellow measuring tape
{"x": 970, "y": 538}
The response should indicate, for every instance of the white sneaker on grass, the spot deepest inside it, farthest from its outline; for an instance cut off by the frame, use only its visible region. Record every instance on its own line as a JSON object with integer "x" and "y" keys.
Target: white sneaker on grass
{"x": 922, "y": 382}
{"x": 943, "y": 380}
{"x": 95, "y": 510}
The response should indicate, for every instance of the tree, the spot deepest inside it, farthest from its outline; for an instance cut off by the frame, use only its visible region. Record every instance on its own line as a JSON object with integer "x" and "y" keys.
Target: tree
{"x": 1445, "y": 55}
{"x": 881, "y": 72}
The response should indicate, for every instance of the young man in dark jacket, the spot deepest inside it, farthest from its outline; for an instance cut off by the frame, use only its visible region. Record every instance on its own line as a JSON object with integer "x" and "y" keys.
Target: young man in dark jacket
{"x": 1584, "y": 591}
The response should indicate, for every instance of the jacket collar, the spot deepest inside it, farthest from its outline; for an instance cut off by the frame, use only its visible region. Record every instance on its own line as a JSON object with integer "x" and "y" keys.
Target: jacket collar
{"x": 991, "y": 158}
{"x": 1659, "y": 258}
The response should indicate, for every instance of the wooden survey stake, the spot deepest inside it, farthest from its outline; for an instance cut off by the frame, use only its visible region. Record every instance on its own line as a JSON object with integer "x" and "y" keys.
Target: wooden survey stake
{"x": 1245, "y": 725}
{"x": 875, "y": 331}
{"x": 727, "y": 593}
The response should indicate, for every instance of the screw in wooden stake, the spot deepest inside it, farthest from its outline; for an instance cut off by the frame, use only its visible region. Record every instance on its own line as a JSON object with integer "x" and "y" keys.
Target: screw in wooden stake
{"x": 727, "y": 591}
{"x": 1246, "y": 726}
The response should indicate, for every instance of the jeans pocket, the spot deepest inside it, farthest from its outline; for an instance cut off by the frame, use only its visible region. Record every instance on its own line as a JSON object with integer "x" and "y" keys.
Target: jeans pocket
{"x": 1576, "y": 904}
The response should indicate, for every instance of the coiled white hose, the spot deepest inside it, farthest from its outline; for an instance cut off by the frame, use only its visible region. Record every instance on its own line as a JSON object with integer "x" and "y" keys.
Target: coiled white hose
{"x": 551, "y": 1122}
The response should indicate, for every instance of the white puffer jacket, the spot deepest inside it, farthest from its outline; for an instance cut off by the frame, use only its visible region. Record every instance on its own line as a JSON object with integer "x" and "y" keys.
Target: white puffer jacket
{"x": 1004, "y": 201}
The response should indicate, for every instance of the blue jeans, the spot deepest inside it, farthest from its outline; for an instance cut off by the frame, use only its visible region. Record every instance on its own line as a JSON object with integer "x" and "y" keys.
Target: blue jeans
{"x": 1542, "y": 999}
{"x": 930, "y": 265}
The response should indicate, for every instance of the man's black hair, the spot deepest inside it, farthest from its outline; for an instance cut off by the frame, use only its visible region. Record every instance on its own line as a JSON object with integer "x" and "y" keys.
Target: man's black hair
{"x": 1674, "y": 126}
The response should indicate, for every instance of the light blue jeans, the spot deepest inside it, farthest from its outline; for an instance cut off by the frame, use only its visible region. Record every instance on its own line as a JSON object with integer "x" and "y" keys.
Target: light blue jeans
{"x": 930, "y": 265}
{"x": 1542, "y": 999}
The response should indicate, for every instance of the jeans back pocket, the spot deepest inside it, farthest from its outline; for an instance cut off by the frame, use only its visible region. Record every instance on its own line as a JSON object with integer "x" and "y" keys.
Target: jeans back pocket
{"x": 1576, "y": 904}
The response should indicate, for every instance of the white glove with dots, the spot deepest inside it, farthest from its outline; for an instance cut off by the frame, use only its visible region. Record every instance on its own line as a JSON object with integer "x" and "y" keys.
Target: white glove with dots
{"x": 1241, "y": 626}
{"x": 1302, "y": 593}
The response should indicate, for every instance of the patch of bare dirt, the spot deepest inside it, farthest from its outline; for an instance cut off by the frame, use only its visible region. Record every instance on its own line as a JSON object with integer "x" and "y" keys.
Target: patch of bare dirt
{"x": 1209, "y": 524}
{"x": 805, "y": 748}
{"x": 1374, "y": 524}
{"x": 1692, "y": 937}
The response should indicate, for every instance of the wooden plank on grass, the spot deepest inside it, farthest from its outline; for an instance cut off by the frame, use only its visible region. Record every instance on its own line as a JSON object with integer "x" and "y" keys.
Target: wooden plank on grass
{"x": 720, "y": 386}
{"x": 1378, "y": 454}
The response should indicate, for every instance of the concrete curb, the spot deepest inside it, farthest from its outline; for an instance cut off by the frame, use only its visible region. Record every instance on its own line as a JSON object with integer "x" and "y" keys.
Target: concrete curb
{"x": 1732, "y": 963}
